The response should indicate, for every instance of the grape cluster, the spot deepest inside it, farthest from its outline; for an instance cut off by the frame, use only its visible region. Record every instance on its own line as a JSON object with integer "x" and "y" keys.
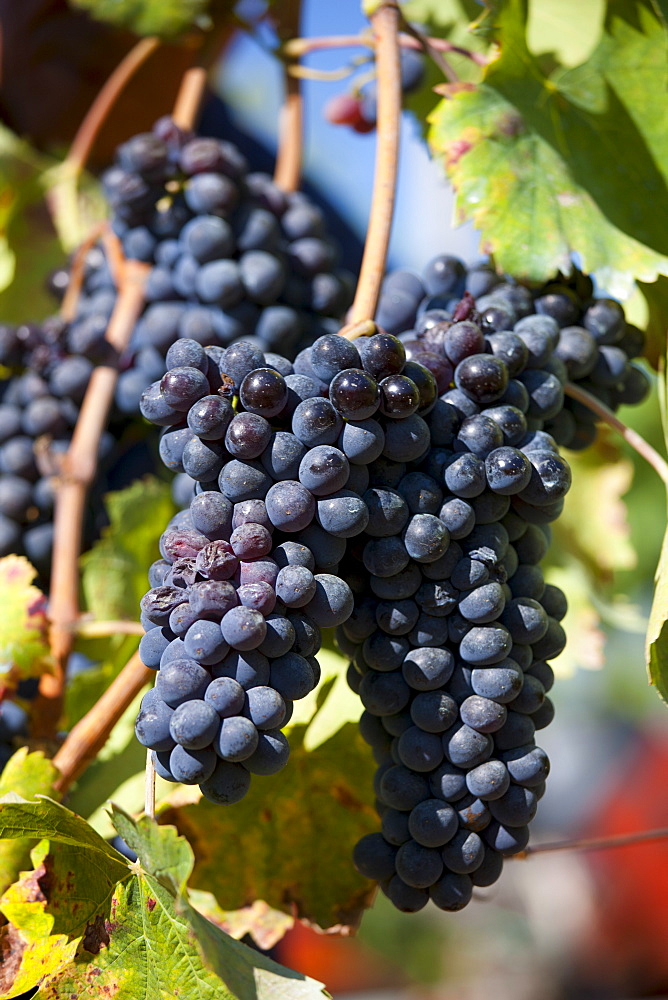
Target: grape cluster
{"x": 39, "y": 406}
{"x": 453, "y": 626}
{"x": 280, "y": 455}
{"x": 570, "y": 335}
{"x": 359, "y": 107}
{"x": 232, "y": 257}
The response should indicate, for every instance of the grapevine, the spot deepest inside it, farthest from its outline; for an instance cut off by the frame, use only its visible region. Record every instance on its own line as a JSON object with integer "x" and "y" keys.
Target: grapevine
{"x": 360, "y": 497}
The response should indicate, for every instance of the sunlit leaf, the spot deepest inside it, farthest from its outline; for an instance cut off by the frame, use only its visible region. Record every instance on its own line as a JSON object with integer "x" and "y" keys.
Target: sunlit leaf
{"x": 24, "y": 646}
{"x": 657, "y": 629}
{"x": 317, "y": 807}
{"x": 529, "y": 152}
{"x": 25, "y": 775}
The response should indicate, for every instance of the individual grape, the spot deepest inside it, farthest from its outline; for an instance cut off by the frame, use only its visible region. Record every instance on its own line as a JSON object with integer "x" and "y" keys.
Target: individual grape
{"x": 265, "y": 708}
{"x": 458, "y": 517}
{"x": 451, "y": 892}
{"x": 181, "y": 680}
{"x": 406, "y": 440}
{"x": 374, "y": 857}
{"x": 501, "y": 683}
{"x": 193, "y": 725}
{"x": 354, "y": 394}
{"x": 516, "y": 731}
{"x": 342, "y": 514}
{"x": 210, "y": 417}
{"x": 247, "y": 435}
{"x": 228, "y": 783}
{"x": 249, "y": 668}
{"x": 465, "y": 853}
{"x": 332, "y": 354}
{"x": 226, "y": 696}
{"x": 251, "y": 541}
{"x": 279, "y": 637}
{"x": 204, "y": 643}
{"x": 462, "y": 340}
{"x": 264, "y": 392}
{"x": 236, "y": 740}
{"x": 290, "y": 506}
{"x": 211, "y": 598}
{"x": 427, "y": 669}
{"x": 554, "y": 602}
{"x": 418, "y": 866}
{"x": 506, "y": 840}
{"x": 361, "y": 441}
{"x": 152, "y": 727}
{"x": 241, "y": 481}
{"x": 291, "y": 675}
{"x": 385, "y": 556}
{"x": 425, "y": 538}
{"x": 466, "y": 747}
{"x": 433, "y": 711}
{"x": 482, "y": 714}
{"x": 482, "y": 377}
{"x": 483, "y": 604}
{"x": 489, "y": 780}
{"x": 181, "y": 387}
{"x": 465, "y": 476}
{"x": 479, "y": 435}
{"x": 295, "y": 586}
{"x": 270, "y": 755}
{"x": 243, "y": 628}
{"x": 332, "y": 602}
{"x": 316, "y": 422}
{"x": 490, "y": 869}
{"x": 191, "y": 766}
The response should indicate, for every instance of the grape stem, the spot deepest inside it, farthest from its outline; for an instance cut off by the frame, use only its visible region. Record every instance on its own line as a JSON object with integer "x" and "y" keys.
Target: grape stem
{"x": 635, "y": 440}
{"x": 385, "y": 22}
{"x": 189, "y": 98}
{"x": 289, "y": 156}
{"x": 85, "y": 740}
{"x": 430, "y": 50}
{"x": 68, "y": 307}
{"x": 301, "y": 46}
{"x": 96, "y": 116}
{"x": 76, "y": 474}
{"x": 596, "y": 843}
{"x": 102, "y": 629}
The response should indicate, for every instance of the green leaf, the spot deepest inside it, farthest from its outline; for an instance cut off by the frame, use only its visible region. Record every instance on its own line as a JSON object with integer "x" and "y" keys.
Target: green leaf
{"x": 265, "y": 925}
{"x": 318, "y": 807}
{"x": 166, "y": 18}
{"x": 168, "y": 858}
{"x": 24, "y": 646}
{"x": 115, "y": 569}
{"x": 656, "y": 645}
{"x": 544, "y": 143}
{"x": 24, "y": 776}
{"x": 568, "y": 29}
{"x": 85, "y": 922}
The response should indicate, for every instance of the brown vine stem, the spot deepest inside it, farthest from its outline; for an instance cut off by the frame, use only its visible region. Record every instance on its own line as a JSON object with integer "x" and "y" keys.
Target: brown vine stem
{"x": 97, "y": 114}
{"x": 635, "y": 440}
{"x": 302, "y": 46}
{"x": 288, "y": 169}
{"x": 68, "y": 307}
{"x": 87, "y": 738}
{"x": 76, "y": 474}
{"x": 190, "y": 96}
{"x": 103, "y": 629}
{"x": 436, "y": 55}
{"x": 385, "y": 22}
{"x": 596, "y": 843}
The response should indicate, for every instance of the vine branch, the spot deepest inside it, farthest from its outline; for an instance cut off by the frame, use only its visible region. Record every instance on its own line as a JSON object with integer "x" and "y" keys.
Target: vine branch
{"x": 385, "y": 22}
{"x": 301, "y": 46}
{"x": 288, "y": 169}
{"x": 84, "y": 140}
{"x": 596, "y": 843}
{"x": 632, "y": 438}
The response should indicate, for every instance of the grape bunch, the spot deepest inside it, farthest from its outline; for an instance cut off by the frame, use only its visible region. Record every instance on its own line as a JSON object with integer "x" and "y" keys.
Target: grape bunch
{"x": 39, "y": 406}
{"x": 232, "y": 257}
{"x": 453, "y": 624}
{"x": 250, "y": 572}
{"x": 594, "y": 344}
{"x": 359, "y": 107}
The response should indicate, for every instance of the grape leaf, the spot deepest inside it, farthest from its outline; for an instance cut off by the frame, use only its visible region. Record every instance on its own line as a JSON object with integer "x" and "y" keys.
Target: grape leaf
{"x": 586, "y": 641}
{"x": 24, "y": 646}
{"x": 166, "y": 18}
{"x": 114, "y": 575}
{"x": 339, "y": 706}
{"x": 544, "y": 143}
{"x": 656, "y": 645}
{"x": 265, "y": 925}
{"x": 318, "y": 807}
{"x": 141, "y": 937}
{"x": 25, "y": 775}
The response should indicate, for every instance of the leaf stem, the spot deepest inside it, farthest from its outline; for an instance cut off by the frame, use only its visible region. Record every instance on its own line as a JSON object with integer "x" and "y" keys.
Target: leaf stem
{"x": 85, "y": 740}
{"x": 384, "y": 21}
{"x": 430, "y": 50}
{"x": 302, "y": 46}
{"x": 596, "y": 843}
{"x": 289, "y": 156}
{"x": 632, "y": 438}
{"x": 97, "y": 114}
